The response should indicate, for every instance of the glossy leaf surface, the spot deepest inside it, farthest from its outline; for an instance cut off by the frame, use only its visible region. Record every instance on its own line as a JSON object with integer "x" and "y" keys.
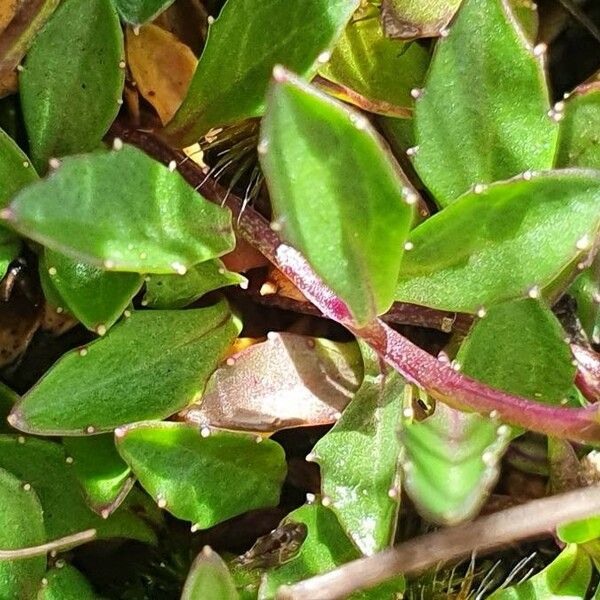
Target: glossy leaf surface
{"x": 359, "y": 459}
{"x": 482, "y": 116}
{"x": 450, "y": 462}
{"x": 567, "y": 576}
{"x": 159, "y": 361}
{"x": 203, "y": 479}
{"x": 177, "y": 291}
{"x": 84, "y": 69}
{"x": 485, "y": 247}
{"x": 102, "y": 474}
{"x": 94, "y": 296}
{"x": 138, "y": 12}
{"x": 43, "y": 465}
{"x": 519, "y": 347}
{"x": 122, "y": 211}
{"x": 209, "y": 579}
{"x": 295, "y": 37}
{"x": 325, "y": 164}
{"x": 21, "y": 525}
{"x": 66, "y": 583}
{"x": 380, "y": 69}
{"x": 287, "y": 381}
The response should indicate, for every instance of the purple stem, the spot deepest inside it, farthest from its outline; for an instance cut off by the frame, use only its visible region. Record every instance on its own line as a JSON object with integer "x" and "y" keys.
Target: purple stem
{"x": 588, "y": 372}
{"x": 413, "y": 363}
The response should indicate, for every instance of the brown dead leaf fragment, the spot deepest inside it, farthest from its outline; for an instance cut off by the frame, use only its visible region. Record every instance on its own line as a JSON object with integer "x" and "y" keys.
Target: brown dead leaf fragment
{"x": 287, "y": 381}
{"x": 161, "y": 66}
{"x": 8, "y": 9}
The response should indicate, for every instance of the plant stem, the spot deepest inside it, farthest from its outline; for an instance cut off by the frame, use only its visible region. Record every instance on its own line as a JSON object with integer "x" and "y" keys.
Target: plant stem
{"x": 64, "y": 543}
{"x": 588, "y": 372}
{"x": 535, "y": 518}
{"x": 413, "y": 363}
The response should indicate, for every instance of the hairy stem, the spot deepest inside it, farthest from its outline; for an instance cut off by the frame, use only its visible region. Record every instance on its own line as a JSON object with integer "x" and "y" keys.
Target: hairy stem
{"x": 416, "y": 365}
{"x": 533, "y": 519}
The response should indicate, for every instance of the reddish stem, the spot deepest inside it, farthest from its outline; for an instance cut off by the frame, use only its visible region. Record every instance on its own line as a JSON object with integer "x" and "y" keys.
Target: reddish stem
{"x": 588, "y": 372}
{"x": 416, "y": 365}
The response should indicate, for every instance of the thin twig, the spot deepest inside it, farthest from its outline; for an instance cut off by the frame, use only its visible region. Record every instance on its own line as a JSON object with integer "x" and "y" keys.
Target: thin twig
{"x": 489, "y": 533}
{"x": 416, "y": 365}
{"x": 64, "y": 543}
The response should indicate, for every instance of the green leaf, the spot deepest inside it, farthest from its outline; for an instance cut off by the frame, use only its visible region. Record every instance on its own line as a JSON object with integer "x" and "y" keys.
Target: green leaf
{"x": 8, "y": 398}
{"x": 102, "y": 474}
{"x": 519, "y": 347}
{"x": 567, "y": 576}
{"x": 294, "y": 37}
{"x": 122, "y": 211}
{"x": 325, "y": 548}
{"x": 482, "y": 116}
{"x": 203, "y": 478}
{"x": 310, "y": 381}
{"x": 95, "y": 297}
{"x": 508, "y": 240}
{"x": 359, "y": 459}
{"x": 177, "y": 291}
{"x": 586, "y": 291}
{"x": 209, "y": 579}
{"x": 66, "y": 583}
{"x": 579, "y": 139}
{"x": 149, "y": 366}
{"x": 83, "y": 70}
{"x": 450, "y": 462}
{"x": 580, "y": 532}
{"x": 324, "y": 164}
{"x": 138, "y": 12}
{"x": 409, "y": 19}
{"x": 15, "y": 173}
{"x": 380, "y": 69}
{"x": 15, "y": 169}
{"x": 21, "y": 525}
{"x": 44, "y": 466}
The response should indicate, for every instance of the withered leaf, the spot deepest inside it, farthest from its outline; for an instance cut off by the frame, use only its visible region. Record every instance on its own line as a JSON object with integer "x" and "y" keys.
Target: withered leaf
{"x": 287, "y": 381}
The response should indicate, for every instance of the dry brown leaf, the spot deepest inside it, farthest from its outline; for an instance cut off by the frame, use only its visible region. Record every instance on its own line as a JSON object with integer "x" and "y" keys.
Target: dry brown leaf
{"x": 8, "y": 9}
{"x": 9, "y": 83}
{"x": 278, "y": 283}
{"x": 187, "y": 20}
{"x": 243, "y": 257}
{"x": 161, "y": 66}
{"x": 286, "y": 381}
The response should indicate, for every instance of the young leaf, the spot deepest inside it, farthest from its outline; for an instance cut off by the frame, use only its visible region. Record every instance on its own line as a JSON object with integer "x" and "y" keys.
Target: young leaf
{"x": 203, "y": 478}
{"x": 95, "y": 297}
{"x": 310, "y": 382}
{"x": 325, "y": 165}
{"x": 21, "y": 525}
{"x": 122, "y": 211}
{"x": 382, "y": 70}
{"x": 44, "y": 466}
{"x": 209, "y": 579}
{"x": 579, "y": 142}
{"x": 450, "y": 462}
{"x": 359, "y": 459}
{"x": 519, "y": 347}
{"x": 295, "y": 37}
{"x": 326, "y": 546}
{"x": 83, "y": 69}
{"x": 409, "y": 19}
{"x": 483, "y": 113}
{"x": 66, "y": 583}
{"x": 138, "y": 12}
{"x": 567, "y": 576}
{"x": 10, "y": 246}
{"x": 149, "y": 366}
{"x": 177, "y": 291}
{"x": 101, "y": 472}
{"x": 506, "y": 241}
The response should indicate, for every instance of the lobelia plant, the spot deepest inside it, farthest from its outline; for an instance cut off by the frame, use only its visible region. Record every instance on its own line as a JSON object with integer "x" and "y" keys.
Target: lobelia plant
{"x": 314, "y": 279}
